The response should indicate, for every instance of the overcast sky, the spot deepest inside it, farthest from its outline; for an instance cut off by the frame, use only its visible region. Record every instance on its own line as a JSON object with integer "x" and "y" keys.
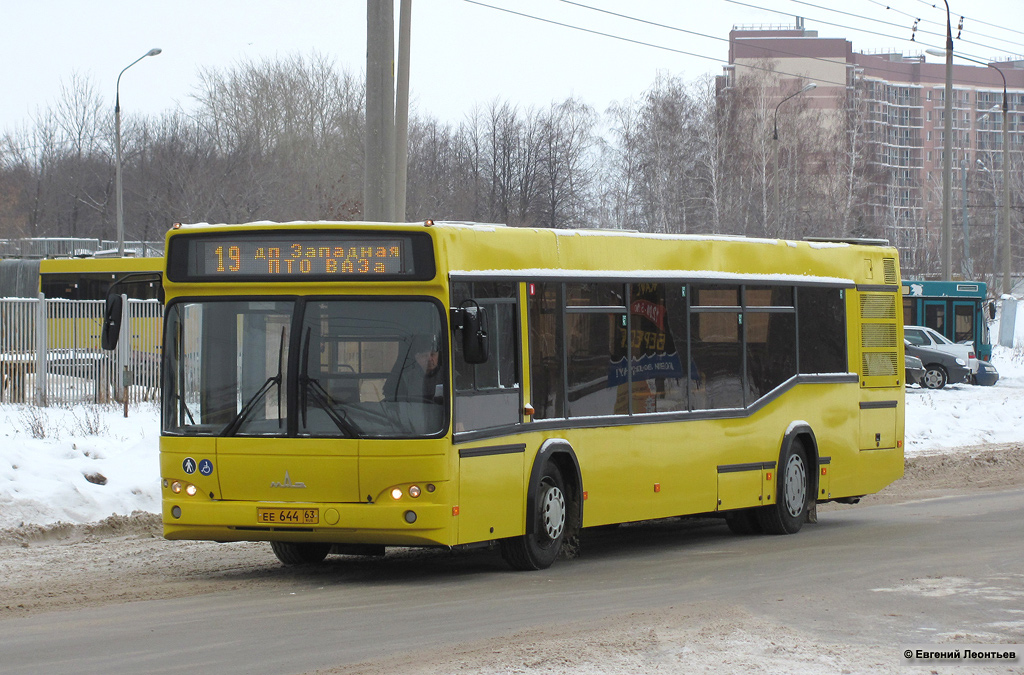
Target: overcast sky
{"x": 462, "y": 53}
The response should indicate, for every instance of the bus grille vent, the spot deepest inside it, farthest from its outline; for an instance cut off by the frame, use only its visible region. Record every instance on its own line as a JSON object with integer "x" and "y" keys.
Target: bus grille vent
{"x": 879, "y": 363}
{"x": 889, "y": 269}
{"x": 877, "y": 306}
{"x": 878, "y": 335}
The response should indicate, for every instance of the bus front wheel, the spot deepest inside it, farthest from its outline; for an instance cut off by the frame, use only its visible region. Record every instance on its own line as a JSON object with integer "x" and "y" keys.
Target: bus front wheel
{"x": 789, "y": 511}
{"x": 291, "y": 553}
{"x": 536, "y": 550}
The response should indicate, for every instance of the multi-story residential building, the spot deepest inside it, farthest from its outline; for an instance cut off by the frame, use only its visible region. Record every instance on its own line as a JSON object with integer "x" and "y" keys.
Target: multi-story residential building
{"x": 896, "y": 102}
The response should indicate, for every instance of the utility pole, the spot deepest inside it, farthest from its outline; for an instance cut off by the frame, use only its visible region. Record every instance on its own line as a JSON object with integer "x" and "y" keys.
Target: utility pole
{"x": 379, "y": 173}
{"x": 402, "y": 109}
{"x": 947, "y": 159}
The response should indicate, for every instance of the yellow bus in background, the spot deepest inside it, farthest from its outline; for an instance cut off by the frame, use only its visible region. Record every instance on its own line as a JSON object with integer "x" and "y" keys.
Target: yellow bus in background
{"x": 91, "y": 279}
{"x": 342, "y": 387}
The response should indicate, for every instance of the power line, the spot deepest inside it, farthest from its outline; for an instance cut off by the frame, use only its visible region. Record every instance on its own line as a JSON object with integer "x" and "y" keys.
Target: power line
{"x": 773, "y": 50}
{"x": 829, "y": 23}
{"x": 861, "y": 30}
{"x": 704, "y": 56}
{"x": 632, "y": 41}
{"x": 917, "y": 20}
{"x": 985, "y": 23}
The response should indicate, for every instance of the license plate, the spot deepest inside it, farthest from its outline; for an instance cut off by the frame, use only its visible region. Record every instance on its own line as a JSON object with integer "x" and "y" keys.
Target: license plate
{"x": 288, "y": 516}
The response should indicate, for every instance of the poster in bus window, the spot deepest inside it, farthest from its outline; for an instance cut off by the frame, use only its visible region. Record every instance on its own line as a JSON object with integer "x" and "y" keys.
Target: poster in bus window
{"x": 655, "y": 361}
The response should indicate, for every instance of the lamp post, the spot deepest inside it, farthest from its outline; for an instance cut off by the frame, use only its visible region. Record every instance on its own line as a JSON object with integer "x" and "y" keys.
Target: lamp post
{"x": 1007, "y": 284}
{"x": 775, "y": 143}
{"x": 995, "y": 229}
{"x": 117, "y": 140}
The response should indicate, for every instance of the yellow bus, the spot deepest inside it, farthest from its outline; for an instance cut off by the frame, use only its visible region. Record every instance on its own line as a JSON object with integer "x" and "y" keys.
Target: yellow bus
{"x": 90, "y": 278}
{"x": 344, "y": 387}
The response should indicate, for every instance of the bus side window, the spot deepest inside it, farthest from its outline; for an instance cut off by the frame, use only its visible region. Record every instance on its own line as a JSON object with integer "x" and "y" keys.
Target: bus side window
{"x": 821, "y": 317}
{"x": 487, "y": 394}
{"x": 716, "y": 344}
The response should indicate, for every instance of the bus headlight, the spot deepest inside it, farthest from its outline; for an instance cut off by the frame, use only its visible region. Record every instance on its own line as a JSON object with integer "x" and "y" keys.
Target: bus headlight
{"x": 396, "y": 493}
{"x": 414, "y": 491}
{"x": 190, "y": 490}
{"x": 175, "y": 487}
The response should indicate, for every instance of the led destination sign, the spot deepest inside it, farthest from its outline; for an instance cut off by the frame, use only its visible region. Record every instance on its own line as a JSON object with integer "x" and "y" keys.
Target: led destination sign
{"x": 309, "y": 255}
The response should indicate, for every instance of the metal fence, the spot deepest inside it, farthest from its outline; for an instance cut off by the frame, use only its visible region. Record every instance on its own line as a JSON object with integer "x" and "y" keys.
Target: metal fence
{"x": 71, "y": 247}
{"x": 50, "y": 352}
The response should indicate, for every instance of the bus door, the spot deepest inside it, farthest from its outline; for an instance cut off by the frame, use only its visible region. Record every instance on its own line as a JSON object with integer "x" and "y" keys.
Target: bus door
{"x": 881, "y": 369}
{"x": 489, "y": 404}
{"x": 935, "y": 316}
{"x": 964, "y": 322}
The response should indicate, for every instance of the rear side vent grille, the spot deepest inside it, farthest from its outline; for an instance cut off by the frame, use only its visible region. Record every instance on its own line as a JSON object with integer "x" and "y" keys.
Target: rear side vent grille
{"x": 878, "y": 306}
{"x": 889, "y": 269}
{"x": 878, "y": 336}
{"x": 877, "y": 364}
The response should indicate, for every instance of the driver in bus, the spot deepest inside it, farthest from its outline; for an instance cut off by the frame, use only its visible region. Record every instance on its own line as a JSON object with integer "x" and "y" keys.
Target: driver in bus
{"x": 421, "y": 380}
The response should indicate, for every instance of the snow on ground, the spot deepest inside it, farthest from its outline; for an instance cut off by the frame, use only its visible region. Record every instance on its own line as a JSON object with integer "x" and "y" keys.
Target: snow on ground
{"x": 48, "y": 455}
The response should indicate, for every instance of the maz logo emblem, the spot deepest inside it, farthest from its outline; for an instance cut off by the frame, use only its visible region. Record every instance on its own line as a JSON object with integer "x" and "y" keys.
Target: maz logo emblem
{"x": 287, "y": 483}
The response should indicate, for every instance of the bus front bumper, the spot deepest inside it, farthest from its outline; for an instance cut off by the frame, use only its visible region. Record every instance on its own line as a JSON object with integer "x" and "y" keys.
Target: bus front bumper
{"x": 337, "y": 523}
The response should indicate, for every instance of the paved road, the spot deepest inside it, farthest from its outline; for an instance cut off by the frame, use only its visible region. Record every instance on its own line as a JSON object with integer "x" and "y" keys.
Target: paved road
{"x": 886, "y": 575}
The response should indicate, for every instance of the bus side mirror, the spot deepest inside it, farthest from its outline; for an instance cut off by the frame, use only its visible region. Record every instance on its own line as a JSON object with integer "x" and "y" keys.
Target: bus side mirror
{"x": 111, "y": 322}
{"x": 472, "y": 321}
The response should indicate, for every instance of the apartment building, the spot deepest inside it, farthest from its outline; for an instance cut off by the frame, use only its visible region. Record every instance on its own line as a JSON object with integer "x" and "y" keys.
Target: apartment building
{"x": 897, "y": 102}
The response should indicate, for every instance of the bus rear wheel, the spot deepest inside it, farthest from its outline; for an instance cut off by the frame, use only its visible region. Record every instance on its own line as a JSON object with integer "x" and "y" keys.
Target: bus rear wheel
{"x": 788, "y": 513}
{"x": 538, "y": 549}
{"x": 292, "y": 553}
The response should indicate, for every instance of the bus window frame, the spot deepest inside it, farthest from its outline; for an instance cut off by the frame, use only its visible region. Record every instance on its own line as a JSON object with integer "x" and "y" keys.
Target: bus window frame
{"x": 292, "y": 383}
{"x": 748, "y": 407}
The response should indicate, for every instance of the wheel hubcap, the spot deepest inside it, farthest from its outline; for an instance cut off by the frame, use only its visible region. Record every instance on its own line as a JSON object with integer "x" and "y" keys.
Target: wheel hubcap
{"x": 553, "y": 512}
{"x": 796, "y": 485}
{"x": 932, "y": 379}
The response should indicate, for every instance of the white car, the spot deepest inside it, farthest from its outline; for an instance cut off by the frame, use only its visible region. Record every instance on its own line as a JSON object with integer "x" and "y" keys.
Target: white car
{"x": 922, "y": 336}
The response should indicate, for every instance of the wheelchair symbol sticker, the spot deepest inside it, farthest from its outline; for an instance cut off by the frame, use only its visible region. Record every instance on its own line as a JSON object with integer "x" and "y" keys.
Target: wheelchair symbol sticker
{"x": 189, "y": 465}
{"x": 205, "y": 467}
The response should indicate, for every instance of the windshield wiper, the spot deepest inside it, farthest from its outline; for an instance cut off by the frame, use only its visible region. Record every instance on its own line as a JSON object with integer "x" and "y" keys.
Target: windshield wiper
{"x": 312, "y": 386}
{"x": 250, "y": 405}
{"x": 236, "y": 422}
{"x": 337, "y": 415}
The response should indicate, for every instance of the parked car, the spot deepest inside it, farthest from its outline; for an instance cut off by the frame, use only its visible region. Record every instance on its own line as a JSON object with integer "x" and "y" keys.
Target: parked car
{"x": 940, "y": 368}
{"x": 986, "y": 375}
{"x": 914, "y": 369}
{"x": 923, "y": 336}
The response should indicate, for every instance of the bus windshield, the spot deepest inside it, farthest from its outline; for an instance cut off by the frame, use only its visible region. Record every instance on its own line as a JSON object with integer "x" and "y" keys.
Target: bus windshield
{"x": 363, "y": 368}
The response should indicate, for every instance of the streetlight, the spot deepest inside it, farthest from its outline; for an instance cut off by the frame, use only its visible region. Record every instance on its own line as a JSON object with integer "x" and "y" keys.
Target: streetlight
{"x": 117, "y": 134}
{"x": 1007, "y": 285}
{"x": 775, "y": 139}
{"x": 995, "y": 230}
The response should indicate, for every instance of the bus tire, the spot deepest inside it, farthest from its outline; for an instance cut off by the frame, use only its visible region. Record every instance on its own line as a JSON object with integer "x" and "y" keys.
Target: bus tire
{"x": 292, "y": 553}
{"x": 536, "y": 550}
{"x": 744, "y": 521}
{"x": 788, "y": 513}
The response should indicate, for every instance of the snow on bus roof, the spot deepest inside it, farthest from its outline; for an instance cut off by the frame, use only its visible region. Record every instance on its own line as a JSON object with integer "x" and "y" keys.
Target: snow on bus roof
{"x": 653, "y": 274}
{"x": 584, "y": 232}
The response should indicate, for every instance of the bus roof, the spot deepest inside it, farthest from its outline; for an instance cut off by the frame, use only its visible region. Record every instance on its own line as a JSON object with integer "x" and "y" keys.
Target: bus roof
{"x": 494, "y": 250}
